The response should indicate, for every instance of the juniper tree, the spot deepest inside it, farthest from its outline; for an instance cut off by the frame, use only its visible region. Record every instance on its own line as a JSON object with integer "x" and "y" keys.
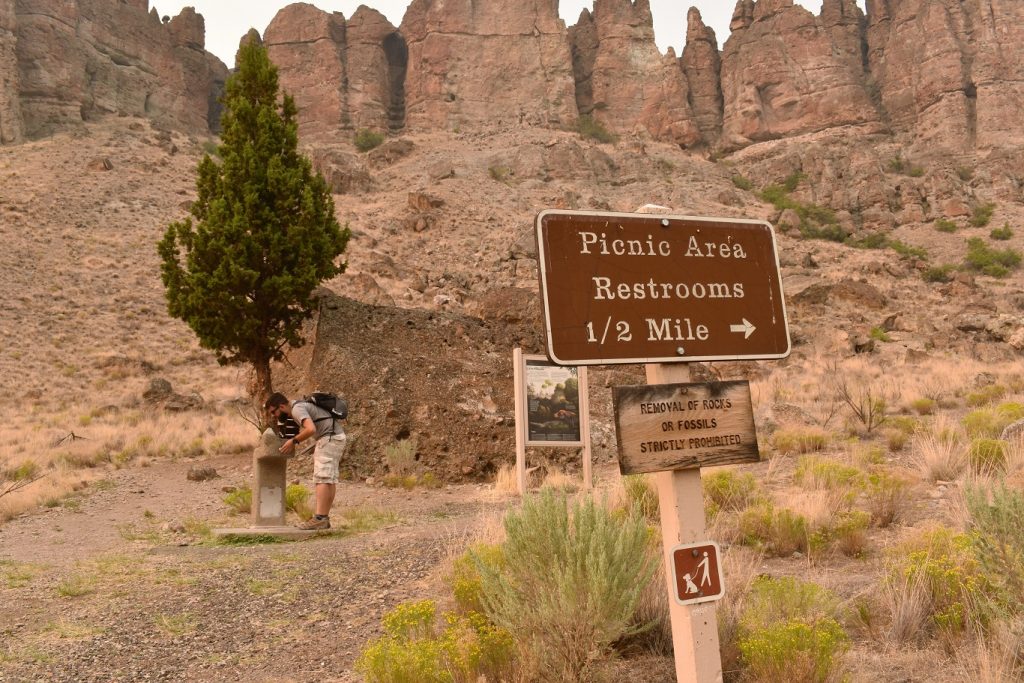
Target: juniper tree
{"x": 241, "y": 271}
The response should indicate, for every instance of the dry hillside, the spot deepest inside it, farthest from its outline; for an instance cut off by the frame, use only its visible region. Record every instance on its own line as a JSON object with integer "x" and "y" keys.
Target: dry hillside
{"x": 441, "y": 285}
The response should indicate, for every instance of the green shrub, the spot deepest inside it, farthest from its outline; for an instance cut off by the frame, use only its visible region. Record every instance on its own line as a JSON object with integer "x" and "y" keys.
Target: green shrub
{"x": 573, "y": 577}
{"x": 994, "y": 262}
{"x": 1002, "y": 234}
{"x": 793, "y": 180}
{"x": 997, "y": 526}
{"x": 965, "y": 173}
{"x": 816, "y": 222}
{"x": 742, "y": 183}
{"x": 367, "y": 139}
{"x": 943, "y": 273}
{"x": 795, "y": 651}
{"x": 500, "y": 173}
{"x": 239, "y": 500}
{"x": 990, "y": 422}
{"x": 790, "y": 631}
{"x": 296, "y": 499}
{"x": 813, "y": 472}
{"x": 779, "y": 532}
{"x": 727, "y": 490}
{"x": 805, "y": 440}
{"x": 887, "y": 496}
{"x": 907, "y": 250}
{"x": 28, "y": 469}
{"x": 982, "y": 214}
{"x": 850, "y": 532}
{"x": 400, "y": 457}
{"x": 211, "y": 148}
{"x": 985, "y": 395}
{"x": 942, "y": 563}
{"x": 878, "y": 334}
{"x": 924, "y": 406}
{"x": 640, "y": 493}
{"x": 412, "y": 651}
{"x": 987, "y": 455}
{"x": 875, "y": 240}
{"x": 465, "y": 577}
{"x": 946, "y": 225}
{"x": 589, "y": 127}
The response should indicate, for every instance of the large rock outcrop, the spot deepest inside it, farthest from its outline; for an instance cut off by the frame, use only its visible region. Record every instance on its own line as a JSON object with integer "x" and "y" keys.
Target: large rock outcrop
{"x": 344, "y": 75}
{"x": 80, "y": 59}
{"x": 952, "y": 74}
{"x": 10, "y": 106}
{"x": 475, "y": 62}
{"x": 787, "y": 72}
{"x": 702, "y": 65}
{"x": 632, "y": 86}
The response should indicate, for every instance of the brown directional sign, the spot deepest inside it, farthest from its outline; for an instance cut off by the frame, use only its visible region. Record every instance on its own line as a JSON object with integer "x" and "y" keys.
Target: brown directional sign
{"x": 697, "y": 573}
{"x": 662, "y": 427}
{"x": 642, "y": 288}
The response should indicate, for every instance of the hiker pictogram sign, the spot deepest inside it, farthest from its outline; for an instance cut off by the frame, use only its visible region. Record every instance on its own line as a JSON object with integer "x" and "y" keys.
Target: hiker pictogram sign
{"x": 697, "y": 573}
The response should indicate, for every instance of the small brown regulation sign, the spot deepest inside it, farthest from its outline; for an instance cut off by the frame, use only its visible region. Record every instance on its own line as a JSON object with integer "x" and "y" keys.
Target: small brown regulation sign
{"x": 697, "y": 573}
{"x": 663, "y": 427}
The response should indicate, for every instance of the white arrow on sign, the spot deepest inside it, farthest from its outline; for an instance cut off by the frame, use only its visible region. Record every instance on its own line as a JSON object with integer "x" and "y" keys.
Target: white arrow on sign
{"x": 746, "y": 328}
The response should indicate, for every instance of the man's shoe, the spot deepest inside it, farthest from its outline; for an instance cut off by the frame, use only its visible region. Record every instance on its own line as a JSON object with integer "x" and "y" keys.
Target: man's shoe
{"x": 314, "y": 524}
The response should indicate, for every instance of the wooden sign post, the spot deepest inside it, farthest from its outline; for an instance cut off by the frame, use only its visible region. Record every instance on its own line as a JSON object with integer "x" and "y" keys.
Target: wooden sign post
{"x": 664, "y": 290}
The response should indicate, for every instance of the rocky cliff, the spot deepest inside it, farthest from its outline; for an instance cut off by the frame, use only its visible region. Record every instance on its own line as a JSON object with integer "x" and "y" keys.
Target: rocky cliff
{"x": 941, "y": 76}
{"x": 67, "y": 61}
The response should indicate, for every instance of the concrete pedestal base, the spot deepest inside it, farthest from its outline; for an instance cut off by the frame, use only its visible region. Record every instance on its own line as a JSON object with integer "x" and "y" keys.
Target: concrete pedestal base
{"x": 285, "y": 533}
{"x": 269, "y": 469}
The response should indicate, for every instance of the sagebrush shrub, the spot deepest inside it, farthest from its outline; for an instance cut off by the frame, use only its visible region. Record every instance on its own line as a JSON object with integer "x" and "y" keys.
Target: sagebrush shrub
{"x": 997, "y": 525}
{"x": 572, "y": 579}
{"x": 465, "y": 578}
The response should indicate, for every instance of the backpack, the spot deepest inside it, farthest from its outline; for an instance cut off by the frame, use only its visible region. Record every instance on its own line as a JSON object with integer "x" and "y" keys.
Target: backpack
{"x": 335, "y": 405}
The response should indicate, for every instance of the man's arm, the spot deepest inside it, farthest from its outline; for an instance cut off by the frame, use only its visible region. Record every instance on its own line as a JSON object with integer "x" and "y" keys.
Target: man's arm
{"x": 307, "y": 431}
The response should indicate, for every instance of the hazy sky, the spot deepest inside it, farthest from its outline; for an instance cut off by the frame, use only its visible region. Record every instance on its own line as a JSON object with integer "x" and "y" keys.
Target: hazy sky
{"x": 228, "y": 20}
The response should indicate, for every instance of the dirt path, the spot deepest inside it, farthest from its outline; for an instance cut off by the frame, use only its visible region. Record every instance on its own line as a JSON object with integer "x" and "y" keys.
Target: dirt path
{"x": 119, "y": 584}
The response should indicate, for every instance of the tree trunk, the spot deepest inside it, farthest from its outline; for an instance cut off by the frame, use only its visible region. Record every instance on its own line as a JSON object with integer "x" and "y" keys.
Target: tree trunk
{"x": 261, "y": 385}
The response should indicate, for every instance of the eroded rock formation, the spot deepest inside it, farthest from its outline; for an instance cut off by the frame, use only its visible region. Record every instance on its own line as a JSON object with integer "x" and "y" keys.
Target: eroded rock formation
{"x": 631, "y": 85}
{"x": 344, "y": 75}
{"x": 943, "y": 76}
{"x": 950, "y": 73}
{"x": 66, "y": 61}
{"x": 787, "y": 72}
{"x": 10, "y": 108}
{"x": 487, "y": 62}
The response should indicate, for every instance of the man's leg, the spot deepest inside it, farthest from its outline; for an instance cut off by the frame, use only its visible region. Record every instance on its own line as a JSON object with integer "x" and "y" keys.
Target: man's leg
{"x": 325, "y": 498}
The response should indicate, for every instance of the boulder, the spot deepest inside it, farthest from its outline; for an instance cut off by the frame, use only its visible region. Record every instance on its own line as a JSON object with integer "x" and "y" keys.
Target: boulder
{"x": 343, "y": 170}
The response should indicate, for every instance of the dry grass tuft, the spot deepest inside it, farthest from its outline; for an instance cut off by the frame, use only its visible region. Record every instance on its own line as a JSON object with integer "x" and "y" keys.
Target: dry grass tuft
{"x": 505, "y": 483}
{"x": 939, "y": 454}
